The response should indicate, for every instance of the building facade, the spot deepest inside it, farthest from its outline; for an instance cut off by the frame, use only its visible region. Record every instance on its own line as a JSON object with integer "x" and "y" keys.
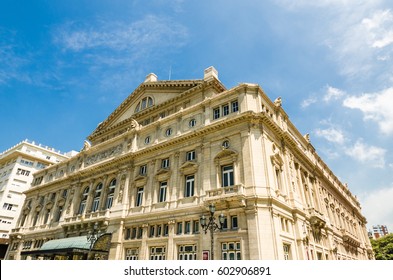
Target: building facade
{"x": 150, "y": 171}
{"x": 379, "y": 231}
{"x": 17, "y": 166}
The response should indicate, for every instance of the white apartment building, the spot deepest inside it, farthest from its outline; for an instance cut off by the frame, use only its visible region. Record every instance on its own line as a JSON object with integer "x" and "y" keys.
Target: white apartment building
{"x": 17, "y": 166}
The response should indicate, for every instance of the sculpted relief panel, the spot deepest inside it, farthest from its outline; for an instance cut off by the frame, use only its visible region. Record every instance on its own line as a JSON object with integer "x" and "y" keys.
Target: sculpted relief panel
{"x": 116, "y": 150}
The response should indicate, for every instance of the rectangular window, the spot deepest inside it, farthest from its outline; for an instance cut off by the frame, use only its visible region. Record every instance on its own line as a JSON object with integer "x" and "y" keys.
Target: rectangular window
{"x": 195, "y": 227}
{"x": 234, "y": 222}
{"x": 187, "y": 227}
{"x": 159, "y": 231}
{"x": 157, "y": 253}
{"x": 227, "y": 176}
{"x": 231, "y": 251}
{"x": 179, "y": 228}
{"x": 82, "y": 207}
{"x": 190, "y": 155}
{"x": 7, "y": 206}
{"x": 162, "y": 192}
{"x": 187, "y": 252}
{"x": 140, "y": 233}
{"x": 166, "y": 230}
{"x": 139, "y": 197}
{"x": 225, "y": 110}
{"x": 216, "y": 113}
{"x": 143, "y": 170}
{"x": 235, "y": 106}
{"x": 152, "y": 230}
{"x": 132, "y": 254}
{"x": 287, "y": 251}
{"x": 165, "y": 163}
{"x": 46, "y": 217}
{"x": 128, "y": 234}
{"x": 133, "y": 232}
{"x": 58, "y": 214}
{"x": 95, "y": 204}
{"x": 225, "y": 224}
{"x": 189, "y": 187}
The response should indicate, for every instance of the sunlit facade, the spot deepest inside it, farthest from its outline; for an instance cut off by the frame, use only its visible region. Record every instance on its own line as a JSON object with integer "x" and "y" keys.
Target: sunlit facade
{"x": 17, "y": 166}
{"x": 148, "y": 173}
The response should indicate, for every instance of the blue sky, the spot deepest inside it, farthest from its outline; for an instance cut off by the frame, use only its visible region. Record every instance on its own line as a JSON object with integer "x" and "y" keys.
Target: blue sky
{"x": 66, "y": 65}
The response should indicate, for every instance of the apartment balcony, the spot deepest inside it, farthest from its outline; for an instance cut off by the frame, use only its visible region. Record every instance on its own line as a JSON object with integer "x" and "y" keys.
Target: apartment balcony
{"x": 231, "y": 194}
{"x": 316, "y": 218}
{"x": 349, "y": 238}
{"x": 86, "y": 218}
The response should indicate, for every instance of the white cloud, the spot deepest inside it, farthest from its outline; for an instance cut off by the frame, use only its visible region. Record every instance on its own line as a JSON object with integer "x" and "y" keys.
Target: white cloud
{"x": 309, "y": 101}
{"x": 331, "y": 134}
{"x": 371, "y": 155}
{"x": 377, "y": 207}
{"x": 333, "y": 94}
{"x": 148, "y": 33}
{"x": 329, "y": 93}
{"x": 376, "y": 107}
{"x": 11, "y": 63}
{"x": 380, "y": 28}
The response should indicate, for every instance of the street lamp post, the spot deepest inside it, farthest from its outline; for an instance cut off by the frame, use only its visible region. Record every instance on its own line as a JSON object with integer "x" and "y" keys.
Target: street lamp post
{"x": 92, "y": 236}
{"x": 210, "y": 224}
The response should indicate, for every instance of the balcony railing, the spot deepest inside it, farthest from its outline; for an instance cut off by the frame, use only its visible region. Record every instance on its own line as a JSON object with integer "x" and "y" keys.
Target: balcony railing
{"x": 316, "y": 217}
{"x": 224, "y": 192}
{"x": 349, "y": 238}
{"x": 87, "y": 217}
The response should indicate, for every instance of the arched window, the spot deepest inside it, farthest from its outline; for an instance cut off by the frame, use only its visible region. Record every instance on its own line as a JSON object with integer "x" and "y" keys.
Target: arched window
{"x": 82, "y": 205}
{"x": 97, "y": 196}
{"x": 111, "y": 194}
{"x": 144, "y": 103}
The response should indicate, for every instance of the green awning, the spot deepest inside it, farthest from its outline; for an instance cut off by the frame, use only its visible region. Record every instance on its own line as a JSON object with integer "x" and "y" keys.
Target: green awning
{"x": 78, "y": 242}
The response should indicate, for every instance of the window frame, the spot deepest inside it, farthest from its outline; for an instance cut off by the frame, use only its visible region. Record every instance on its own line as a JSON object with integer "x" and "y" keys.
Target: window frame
{"x": 165, "y": 163}
{"x": 189, "y": 185}
{"x": 227, "y": 176}
{"x": 139, "y": 197}
{"x": 191, "y": 155}
{"x": 216, "y": 113}
{"x": 162, "y": 191}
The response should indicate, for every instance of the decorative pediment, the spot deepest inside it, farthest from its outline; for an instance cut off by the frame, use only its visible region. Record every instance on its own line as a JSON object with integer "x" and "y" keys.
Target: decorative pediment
{"x": 140, "y": 180}
{"x": 146, "y": 96}
{"x": 189, "y": 167}
{"x": 226, "y": 154}
{"x": 163, "y": 174}
{"x": 140, "y": 177}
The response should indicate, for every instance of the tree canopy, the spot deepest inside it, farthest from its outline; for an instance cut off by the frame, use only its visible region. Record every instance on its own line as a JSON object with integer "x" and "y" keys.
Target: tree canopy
{"x": 383, "y": 247}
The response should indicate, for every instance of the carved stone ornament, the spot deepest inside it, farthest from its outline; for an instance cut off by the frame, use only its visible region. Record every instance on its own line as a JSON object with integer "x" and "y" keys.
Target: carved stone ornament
{"x": 104, "y": 155}
{"x": 86, "y": 146}
{"x": 121, "y": 188}
{"x": 278, "y": 102}
{"x": 134, "y": 124}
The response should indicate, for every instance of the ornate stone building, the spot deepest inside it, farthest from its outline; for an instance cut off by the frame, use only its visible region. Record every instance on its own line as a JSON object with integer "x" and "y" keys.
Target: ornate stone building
{"x": 150, "y": 171}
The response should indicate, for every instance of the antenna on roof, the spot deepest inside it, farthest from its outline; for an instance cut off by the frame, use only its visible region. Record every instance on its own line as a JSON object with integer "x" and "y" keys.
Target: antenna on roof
{"x": 170, "y": 72}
